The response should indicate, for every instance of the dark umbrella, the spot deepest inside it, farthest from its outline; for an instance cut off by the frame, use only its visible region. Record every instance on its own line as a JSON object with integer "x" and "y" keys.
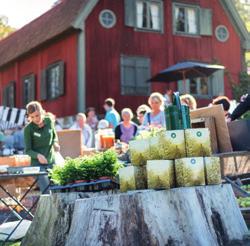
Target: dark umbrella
{"x": 186, "y": 70}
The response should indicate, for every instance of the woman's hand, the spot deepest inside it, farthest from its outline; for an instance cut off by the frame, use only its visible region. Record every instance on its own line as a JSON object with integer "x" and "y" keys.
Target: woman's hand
{"x": 41, "y": 158}
{"x": 57, "y": 147}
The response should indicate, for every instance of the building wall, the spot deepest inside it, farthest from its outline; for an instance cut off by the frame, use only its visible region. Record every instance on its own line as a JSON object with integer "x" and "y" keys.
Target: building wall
{"x": 62, "y": 49}
{"x": 105, "y": 46}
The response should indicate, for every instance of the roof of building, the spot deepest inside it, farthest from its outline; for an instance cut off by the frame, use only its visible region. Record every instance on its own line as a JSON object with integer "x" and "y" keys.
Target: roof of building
{"x": 64, "y": 17}
{"x": 56, "y": 21}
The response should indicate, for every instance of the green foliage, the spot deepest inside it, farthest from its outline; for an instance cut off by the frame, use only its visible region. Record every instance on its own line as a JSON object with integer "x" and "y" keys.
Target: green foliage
{"x": 160, "y": 180}
{"x": 196, "y": 148}
{"x": 244, "y": 202}
{"x": 187, "y": 176}
{"x": 243, "y": 87}
{"x": 128, "y": 184}
{"x": 5, "y": 29}
{"x": 183, "y": 174}
{"x": 243, "y": 10}
{"x": 169, "y": 150}
{"x": 86, "y": 168}
{"x": 246, "y": 187}
{"x": 141, "y": 177}
{"x": 151, "y": 133}
{"x": 213, "y": 173}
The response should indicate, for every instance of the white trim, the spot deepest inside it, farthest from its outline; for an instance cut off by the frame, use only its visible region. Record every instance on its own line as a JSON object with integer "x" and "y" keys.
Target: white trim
{"x": 101, "y": 20}
{"x": 78, "y": 23}
{"x": 217, "y": 34}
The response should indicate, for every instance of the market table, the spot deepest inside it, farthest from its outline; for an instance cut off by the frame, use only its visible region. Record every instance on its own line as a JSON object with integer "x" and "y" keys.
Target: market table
{"x": 27, "y": 212}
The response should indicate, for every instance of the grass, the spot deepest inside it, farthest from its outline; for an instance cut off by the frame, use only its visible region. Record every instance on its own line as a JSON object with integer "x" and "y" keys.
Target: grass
{"x": 11, "y": 244}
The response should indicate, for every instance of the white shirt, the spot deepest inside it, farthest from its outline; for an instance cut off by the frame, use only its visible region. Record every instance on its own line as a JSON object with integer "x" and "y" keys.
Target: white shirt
{"x": 86, "y": 133}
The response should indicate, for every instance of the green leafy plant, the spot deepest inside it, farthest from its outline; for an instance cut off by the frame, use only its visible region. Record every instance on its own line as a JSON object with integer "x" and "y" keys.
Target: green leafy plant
{"x": 86, "y": 168}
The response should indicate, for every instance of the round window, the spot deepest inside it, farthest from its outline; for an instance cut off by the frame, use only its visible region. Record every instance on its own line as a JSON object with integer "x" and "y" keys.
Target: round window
{"x": 107, "y": 18}
{"x": 222, "y": 33}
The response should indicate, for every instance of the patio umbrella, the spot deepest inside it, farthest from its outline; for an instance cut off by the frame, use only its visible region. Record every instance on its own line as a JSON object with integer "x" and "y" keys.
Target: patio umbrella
{"x": 185, "y": 70}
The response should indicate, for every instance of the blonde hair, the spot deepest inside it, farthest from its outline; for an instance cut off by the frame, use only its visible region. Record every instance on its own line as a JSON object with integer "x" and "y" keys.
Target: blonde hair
{"x": 189, "y": 100}
{"x": 127, "y": 111}
{"x": 156, "y": 96}
{"x": 143, "y": 109}
{"x": 33, "y": 107}
{"x": 81, "y": 115}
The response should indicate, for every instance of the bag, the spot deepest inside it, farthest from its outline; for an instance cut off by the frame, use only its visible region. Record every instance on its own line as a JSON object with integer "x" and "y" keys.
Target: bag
{"x": 59, "y": 160}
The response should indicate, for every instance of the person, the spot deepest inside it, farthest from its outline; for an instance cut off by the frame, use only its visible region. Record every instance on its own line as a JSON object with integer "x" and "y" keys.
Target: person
{"x": 126, "y": 130}
{"x": 189, "y": 101}
{"x": 41, "y": 140}
{"x": 155, "y": 118}
{"x": 243, "y": 107}
{"x": 8, "y": 142}
{"x": 112, "y": 116}
{"x": 141, "y": 111}
{"x": 92, "y": 119}
{"x": 102, "y": 126}
{"x": 224, "y": 101}
{"x": 168, "y": 97}
{"x": 53, "y": 118}
{"x": 19, "y": 139}
{"x": 81, "y": 124}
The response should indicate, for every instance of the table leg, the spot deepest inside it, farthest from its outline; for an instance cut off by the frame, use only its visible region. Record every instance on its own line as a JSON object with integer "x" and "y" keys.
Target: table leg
{"x": 23, "y": 218}
{"x": 14, "y": 199}
{"x": 25, "y": 194}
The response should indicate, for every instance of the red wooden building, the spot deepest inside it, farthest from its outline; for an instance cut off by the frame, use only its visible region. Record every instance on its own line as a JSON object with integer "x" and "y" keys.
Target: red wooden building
{"x": 82, "y": 51}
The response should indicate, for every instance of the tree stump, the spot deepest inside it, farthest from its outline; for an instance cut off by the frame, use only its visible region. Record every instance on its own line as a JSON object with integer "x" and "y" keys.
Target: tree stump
{"x": 52, "y": 220}
{"x": 197, "y": 216}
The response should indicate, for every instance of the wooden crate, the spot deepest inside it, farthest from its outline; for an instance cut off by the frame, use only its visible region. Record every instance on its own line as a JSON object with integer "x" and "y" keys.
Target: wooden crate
{"x": 235, "y": 163}
{"x": 246, "y": 215}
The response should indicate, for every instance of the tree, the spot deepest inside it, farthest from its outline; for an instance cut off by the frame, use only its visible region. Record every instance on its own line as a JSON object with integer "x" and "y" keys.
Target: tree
{"x": 5, "y": 29}
{"x": 244, "y": 11}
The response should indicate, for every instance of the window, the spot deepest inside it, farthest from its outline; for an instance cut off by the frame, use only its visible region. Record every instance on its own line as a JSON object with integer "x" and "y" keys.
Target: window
{"x": 29, "y": 88}
{"x": 144, "y": 14}
{"x": 52, "y": 83}
{"x": 205, "y": 87}
{"x": 192, "y": 20}
{"x": 186, "y": 19}
{"x": 135, "y": 71}
{"x": 148, "y": 15}
{"x": 221, "y": 33}
{"x": 9, "y": 94}
{"x": 107, "y": 18}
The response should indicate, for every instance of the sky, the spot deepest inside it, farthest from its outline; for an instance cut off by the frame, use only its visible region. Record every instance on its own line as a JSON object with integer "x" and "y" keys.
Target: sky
{"x": 21, "y": 12}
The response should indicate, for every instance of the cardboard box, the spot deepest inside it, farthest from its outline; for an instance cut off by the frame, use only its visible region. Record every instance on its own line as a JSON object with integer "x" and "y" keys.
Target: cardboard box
{"x": 212, "y": 170}
{"x": 171, "y": 145}
{"x": 198, "y": 142}
{"x": 15, "y": 160}
{"x": 132, "y": 178}
{"x": 190, "y": 172}
{"x": 70, "y": 142}
{"x": 139, "y": 151}
{"x": 160, "y": 174}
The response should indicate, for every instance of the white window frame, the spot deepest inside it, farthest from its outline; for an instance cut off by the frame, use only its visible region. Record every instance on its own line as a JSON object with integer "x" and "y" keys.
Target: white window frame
{"x": 217, "y": 34}
{"x": 101, "y": 18}
{"x": 161, "y": 19}
{"x": 186, "y": 6}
